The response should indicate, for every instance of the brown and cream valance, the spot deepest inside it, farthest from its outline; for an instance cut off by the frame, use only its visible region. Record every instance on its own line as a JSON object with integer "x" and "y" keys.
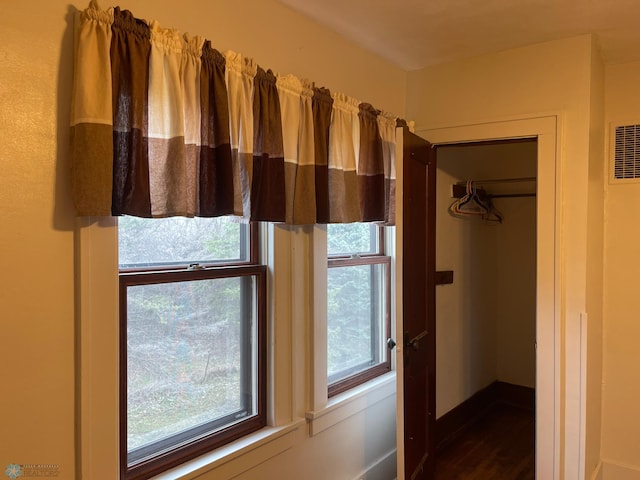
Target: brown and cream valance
{"x": 163, "y": 124}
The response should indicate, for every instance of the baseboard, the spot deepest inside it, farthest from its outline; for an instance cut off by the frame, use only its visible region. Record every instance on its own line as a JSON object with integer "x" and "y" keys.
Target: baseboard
{"x": 452, "y": 423}
{"x": 612, "y": 471}
{"x": 449, "y": 426}
{"x": 515, "y": 395}
{"x": 383, "y": 469}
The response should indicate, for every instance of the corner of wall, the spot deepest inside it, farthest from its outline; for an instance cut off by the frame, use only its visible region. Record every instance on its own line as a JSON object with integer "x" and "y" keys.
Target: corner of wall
{"x": 597, "y": 472}
{"x": 383, "y": 469}
{"x": 614, "y": 471}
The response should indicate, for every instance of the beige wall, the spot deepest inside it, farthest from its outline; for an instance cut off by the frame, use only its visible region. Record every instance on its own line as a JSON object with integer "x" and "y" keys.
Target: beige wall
{"x": 466, "y": 356}
{"x": 515, "y": 245}
{"x": 550, "y": 78}
{"x": 39, "y": 408}
{"x": 486, "y": 319}
{"x": 37, "y": 241}
{"x": 516, "y": 288}
{"x": 621, "y": 381}
{"x": 36, "y": 246}
{"x": 338, "y": 453}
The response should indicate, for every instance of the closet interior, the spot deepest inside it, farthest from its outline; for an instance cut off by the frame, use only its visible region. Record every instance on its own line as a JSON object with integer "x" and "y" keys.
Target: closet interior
{"x": 486, "y": 317}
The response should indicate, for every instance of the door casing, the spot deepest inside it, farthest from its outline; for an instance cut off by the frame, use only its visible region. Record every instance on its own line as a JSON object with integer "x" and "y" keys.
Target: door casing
{"x": 548, "y": 335}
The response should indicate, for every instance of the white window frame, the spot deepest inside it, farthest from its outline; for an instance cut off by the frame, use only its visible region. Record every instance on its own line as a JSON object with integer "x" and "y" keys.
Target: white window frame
{"x": 174, "y": 451}
{"x": 371, "y": 259}
{"x": 297, "y": 375}
{"x": 98, "y": 353}
{"x": 325, "y": 412}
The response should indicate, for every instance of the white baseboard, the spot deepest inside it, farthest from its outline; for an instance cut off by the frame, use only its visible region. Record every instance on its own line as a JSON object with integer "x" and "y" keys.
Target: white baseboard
{"x": 383, "y": 469}
{"x": 612, "y": 471}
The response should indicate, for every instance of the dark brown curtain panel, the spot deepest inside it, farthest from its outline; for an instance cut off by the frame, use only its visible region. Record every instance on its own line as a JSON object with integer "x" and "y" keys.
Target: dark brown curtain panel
{"x": 215, "y": 173}
{"x": 322, "y": 105}
{"x": 268, "y": 185}
{"x": 130, "y": 49}
{"x": 370, "y": 166}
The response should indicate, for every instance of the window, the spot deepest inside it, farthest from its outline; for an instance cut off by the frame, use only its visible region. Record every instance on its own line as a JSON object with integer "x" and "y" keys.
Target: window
{"x": 358, "y": 305}
{"x": 192, "y": 339}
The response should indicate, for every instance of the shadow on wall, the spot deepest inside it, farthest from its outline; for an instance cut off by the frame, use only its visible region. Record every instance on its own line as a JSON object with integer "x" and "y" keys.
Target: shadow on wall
{"x": 63, "y": 215}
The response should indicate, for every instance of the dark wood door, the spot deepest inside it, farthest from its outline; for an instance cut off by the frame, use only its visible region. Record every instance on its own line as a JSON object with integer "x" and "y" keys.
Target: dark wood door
{"x": 418, "y": 297}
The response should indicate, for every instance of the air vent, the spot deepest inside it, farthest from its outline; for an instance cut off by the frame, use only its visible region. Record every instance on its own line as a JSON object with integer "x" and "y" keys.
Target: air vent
{"x": 627, "y": 152}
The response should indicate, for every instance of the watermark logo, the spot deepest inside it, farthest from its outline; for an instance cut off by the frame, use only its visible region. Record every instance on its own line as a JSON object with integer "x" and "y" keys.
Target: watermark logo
{"x": 13, "y": 471}
{"x": 28, "y": 470}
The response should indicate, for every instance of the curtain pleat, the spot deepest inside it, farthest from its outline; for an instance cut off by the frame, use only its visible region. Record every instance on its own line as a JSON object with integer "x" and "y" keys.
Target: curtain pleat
{"x": 167, "y": 153}
{"x": 130, "y": 50}
{"x": 387, "y": 128}
{"x": 91, "y": 113}
{"x": 370, "y": 166}
{"x": 215, "y": 172}
{"x": 304, "y": 201}
{"x": 297, "y": 135}
{"x": 162, "y": 124}
{"x": 322, "y": 106}
{"x": 191, "y": 67}
{"x": 240, "y": 73}
{"x": 268, "y": 184}
{"x": 344, "y": 151}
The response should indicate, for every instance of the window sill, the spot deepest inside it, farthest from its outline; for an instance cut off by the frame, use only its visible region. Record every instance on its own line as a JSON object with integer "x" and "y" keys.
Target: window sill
{"x": 349, "y": 403}
{"x": 233, "y": 459}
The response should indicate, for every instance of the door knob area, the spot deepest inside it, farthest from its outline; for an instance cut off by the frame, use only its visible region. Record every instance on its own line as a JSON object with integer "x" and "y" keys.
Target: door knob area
{"x": 415, "y": 341}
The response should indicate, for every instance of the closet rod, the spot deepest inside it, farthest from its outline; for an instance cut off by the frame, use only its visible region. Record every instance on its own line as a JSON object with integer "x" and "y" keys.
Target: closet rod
{"x": 459, "y": 188}
{"x": 500, "y": 180}
{"x": 459, "y": 191}
{"x": 511, "y": 195}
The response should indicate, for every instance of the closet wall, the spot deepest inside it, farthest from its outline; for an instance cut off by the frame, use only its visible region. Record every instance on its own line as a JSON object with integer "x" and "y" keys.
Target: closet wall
{"x": 486, "y": 319}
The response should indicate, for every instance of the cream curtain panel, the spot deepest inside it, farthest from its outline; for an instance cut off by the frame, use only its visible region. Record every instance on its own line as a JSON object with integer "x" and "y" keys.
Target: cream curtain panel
{"x": 163, "y": 124}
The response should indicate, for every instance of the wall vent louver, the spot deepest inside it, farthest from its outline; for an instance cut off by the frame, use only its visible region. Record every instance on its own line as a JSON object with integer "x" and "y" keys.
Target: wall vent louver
{"x": 627, "y": 152}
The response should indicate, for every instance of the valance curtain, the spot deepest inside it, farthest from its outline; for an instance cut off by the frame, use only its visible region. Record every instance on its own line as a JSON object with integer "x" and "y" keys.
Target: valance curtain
{"x": 163, "y": 124}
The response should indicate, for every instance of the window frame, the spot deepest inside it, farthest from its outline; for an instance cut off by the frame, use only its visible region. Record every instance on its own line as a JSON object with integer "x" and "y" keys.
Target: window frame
{"x": 190, "y": 449}
{"x": 376, "y": 258}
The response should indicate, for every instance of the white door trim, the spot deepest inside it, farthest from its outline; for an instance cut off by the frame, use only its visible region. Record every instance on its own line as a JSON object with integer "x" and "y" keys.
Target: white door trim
{"x": 396, "y": 292}
{"x": 548, "y": 335}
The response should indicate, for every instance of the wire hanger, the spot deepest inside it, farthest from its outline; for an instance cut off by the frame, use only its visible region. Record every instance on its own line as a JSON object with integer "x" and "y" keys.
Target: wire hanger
{"x": 473, "y": 205}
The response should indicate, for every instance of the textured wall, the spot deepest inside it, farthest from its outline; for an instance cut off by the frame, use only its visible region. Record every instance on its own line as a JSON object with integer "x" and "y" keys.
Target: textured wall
{"x": 621, "y": 382}
{"x": 38, "y": 410}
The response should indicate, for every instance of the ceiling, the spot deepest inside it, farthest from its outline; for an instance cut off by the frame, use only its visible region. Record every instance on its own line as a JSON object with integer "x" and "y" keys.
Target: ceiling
{"x": 418, "y": 33}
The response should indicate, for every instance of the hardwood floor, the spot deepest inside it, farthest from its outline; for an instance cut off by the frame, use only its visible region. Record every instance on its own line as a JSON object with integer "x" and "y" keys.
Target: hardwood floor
{"x": 499, "y": 446}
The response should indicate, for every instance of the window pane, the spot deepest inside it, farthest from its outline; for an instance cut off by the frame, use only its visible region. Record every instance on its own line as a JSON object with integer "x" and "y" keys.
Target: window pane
{"x": 355, "y": 317}
{"x": 189, "y": 358}
{"x": 178, "y": 240}
{"x": 351, "y": 238}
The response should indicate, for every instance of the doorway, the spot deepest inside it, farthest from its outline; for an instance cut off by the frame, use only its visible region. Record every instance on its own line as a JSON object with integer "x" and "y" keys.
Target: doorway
{"x": 548, "y": 295}
{"x": 486, "y": 309}
{"x": 548, "y": 332}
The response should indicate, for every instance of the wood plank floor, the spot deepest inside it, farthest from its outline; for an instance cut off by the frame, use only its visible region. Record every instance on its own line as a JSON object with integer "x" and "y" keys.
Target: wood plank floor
{"x": 499, "y": 446}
